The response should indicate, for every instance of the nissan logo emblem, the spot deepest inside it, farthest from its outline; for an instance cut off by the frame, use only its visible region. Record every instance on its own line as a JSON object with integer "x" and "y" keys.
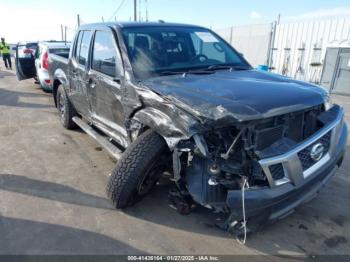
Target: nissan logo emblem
{"x": 317, "y": 152}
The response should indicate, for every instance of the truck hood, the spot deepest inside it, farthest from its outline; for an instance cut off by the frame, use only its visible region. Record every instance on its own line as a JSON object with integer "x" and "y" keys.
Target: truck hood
{"x": 241, "y": 95}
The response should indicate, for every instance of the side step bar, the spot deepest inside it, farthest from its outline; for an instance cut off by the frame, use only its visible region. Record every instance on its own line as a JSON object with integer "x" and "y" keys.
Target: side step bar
{"x": 103, "y": 141}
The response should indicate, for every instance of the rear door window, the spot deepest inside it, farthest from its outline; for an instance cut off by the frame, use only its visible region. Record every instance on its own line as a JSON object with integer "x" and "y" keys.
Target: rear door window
{"x": 82, "y": 48}
{"x": 104, "y": 55}
{"x": 77, "y": 45}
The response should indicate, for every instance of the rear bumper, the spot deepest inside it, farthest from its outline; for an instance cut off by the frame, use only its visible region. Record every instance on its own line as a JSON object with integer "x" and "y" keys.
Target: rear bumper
{"x": 43, "y": 76}
{"x": 277, "y": 202}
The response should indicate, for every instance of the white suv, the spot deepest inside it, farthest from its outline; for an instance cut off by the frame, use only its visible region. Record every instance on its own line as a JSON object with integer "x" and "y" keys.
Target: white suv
{"x": 42, "y": 60}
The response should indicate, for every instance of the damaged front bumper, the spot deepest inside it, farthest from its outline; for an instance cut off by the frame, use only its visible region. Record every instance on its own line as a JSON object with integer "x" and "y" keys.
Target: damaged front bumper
{"x": 300, "y": 183}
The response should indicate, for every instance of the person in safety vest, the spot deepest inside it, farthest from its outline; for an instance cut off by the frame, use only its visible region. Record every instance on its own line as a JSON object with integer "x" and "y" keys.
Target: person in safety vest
{"x": 5, "y": 50}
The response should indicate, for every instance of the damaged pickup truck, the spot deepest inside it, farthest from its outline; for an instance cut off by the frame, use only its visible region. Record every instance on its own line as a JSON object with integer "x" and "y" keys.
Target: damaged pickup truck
{"x": 177, "y": 100}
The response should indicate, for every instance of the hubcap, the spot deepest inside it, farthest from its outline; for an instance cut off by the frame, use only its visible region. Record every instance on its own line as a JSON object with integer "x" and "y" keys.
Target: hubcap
{"x": 61, "y": 107}
{"x": 149, "y": 179}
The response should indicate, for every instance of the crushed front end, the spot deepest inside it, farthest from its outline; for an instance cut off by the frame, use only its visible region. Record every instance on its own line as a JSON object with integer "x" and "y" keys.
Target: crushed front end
{"x": 280, "y": 161}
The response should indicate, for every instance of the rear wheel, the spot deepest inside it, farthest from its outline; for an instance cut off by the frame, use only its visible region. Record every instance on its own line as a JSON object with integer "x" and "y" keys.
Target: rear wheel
{"x": 65, "y": 109}
{"x": 139, "y": 169}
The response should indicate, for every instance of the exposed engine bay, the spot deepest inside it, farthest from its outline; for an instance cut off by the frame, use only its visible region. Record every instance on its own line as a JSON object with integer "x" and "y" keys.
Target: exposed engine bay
{"x": 210, "y": 165}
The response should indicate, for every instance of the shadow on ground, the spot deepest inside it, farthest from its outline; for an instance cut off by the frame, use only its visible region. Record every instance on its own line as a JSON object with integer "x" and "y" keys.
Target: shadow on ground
{"x": 51, "y": 191}
{"x": 5, "y": 74}
{"x": 281, "y": 237}
{"x": 12, "y": 99}
{"x": 320, "y": 226}
{"x": 156, "y": 208}
{"x": 19, "y": 237}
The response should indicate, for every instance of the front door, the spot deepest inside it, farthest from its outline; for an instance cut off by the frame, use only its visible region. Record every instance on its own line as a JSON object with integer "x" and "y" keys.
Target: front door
{"x": 104, "y": 84}
{"x": 25, "y": 62}
{"x": 78, "y": 68}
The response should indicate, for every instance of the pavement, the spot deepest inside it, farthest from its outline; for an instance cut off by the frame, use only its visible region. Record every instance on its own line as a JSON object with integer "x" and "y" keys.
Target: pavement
{"x": 53, "y": 200}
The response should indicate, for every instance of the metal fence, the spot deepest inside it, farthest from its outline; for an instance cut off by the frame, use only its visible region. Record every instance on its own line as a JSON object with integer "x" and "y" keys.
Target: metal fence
{"x": 300, "y": 47}
{"x": 251, "y": 40}
{"x": 295, "y": 49}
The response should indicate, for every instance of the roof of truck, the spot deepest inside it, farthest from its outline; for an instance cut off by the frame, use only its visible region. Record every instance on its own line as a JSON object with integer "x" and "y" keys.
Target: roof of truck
{"x": 140, "y": 24}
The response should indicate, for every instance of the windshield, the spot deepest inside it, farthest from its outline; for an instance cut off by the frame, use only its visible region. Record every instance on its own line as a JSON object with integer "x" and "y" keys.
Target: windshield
{"x": 158, "y": 50}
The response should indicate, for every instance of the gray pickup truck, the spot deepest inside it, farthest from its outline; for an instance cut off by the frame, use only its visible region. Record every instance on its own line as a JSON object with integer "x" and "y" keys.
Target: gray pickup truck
{"x": 178, "y": 101}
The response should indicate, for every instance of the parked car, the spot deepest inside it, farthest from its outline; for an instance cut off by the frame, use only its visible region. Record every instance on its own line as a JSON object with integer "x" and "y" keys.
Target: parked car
{"x": 173, "y": 99}
{"x": 25, "y": 49}
{"x": 34, "y": 60}
{"x": 45, "y": 49}
{"x": 24, "y": 59}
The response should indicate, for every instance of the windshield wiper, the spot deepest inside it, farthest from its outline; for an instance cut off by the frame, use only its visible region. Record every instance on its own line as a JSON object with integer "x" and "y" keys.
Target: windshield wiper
{"x": 241, "y": 68}
{"x": 166, "y": 73}
{"x": 227, "y": 67}
{"x": 184, "y": 73}
{"x": 219, "y": 67}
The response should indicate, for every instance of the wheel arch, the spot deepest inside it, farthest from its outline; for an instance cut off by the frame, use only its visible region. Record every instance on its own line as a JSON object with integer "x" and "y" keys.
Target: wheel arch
{"x": 161, "y": 123}
{"x": 56, "y": 84}
{"x": 60, "y": 78}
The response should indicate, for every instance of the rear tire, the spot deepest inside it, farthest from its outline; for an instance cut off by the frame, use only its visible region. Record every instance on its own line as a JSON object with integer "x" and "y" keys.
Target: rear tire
{"x": 65, "y": 109}
{"x": 138, "y": 170}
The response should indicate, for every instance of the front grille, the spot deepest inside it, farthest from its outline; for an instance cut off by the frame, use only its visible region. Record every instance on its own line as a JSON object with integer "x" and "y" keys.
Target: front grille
{"x": 277, "y": 171}
{"x": 304, "y": 155}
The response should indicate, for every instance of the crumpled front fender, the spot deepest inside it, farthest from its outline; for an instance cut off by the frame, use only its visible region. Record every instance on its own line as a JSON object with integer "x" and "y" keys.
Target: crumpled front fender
{"x": 173, "y": 128}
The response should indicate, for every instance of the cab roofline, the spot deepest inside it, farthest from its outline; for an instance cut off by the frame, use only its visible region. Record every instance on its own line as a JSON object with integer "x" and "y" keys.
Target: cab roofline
{"x": 138, "y": 24}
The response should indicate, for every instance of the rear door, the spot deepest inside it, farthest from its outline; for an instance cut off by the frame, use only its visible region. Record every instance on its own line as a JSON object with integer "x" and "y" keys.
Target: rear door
{"x": 25, "y": 61}
{"x": 78, "y": 72}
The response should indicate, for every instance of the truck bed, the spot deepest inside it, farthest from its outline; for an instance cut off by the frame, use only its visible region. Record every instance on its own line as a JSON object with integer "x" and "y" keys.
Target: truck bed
{"x": 58, "y": 61}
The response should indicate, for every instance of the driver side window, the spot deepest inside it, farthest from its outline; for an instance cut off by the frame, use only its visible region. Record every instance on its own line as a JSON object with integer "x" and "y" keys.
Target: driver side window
{"x": 104, "y": 55}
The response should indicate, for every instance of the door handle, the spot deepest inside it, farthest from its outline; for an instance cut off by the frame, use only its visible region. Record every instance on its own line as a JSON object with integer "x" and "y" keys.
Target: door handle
{"x": 92, "y": 83}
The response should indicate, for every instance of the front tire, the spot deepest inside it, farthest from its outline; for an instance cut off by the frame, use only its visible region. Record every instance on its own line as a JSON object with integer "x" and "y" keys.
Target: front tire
{"x": 65, "y": 109}
{"x": 138, "y": 170}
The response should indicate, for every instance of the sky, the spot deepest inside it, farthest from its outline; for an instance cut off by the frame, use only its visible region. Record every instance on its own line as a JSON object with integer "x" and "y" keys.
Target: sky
{"x": 31, "y": 20}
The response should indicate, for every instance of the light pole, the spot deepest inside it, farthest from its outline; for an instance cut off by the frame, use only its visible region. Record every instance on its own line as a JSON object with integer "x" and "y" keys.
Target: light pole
{"x": 135, "y": 10}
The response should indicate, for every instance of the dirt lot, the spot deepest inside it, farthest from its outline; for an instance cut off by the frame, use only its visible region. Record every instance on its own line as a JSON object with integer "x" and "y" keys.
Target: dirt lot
{"x": 52, "y": 197}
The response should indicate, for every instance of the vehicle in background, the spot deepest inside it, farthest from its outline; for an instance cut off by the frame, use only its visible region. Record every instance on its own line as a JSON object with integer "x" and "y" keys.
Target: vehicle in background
{"x": 24, "y": 59}
{"x": 42, "y": 56}
{"x": 25, "y": 49}
{"x": 32, "y": 60}
{"x": 177, "y": 100}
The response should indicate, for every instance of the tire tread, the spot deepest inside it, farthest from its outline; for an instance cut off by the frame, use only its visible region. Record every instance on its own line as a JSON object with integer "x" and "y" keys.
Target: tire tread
{"x": 129, "y": 169}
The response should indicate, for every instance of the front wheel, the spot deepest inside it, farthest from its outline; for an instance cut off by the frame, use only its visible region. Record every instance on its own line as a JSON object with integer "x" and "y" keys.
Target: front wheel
{"x": 139, "y": 169}
{"x": 65, "y": 109}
